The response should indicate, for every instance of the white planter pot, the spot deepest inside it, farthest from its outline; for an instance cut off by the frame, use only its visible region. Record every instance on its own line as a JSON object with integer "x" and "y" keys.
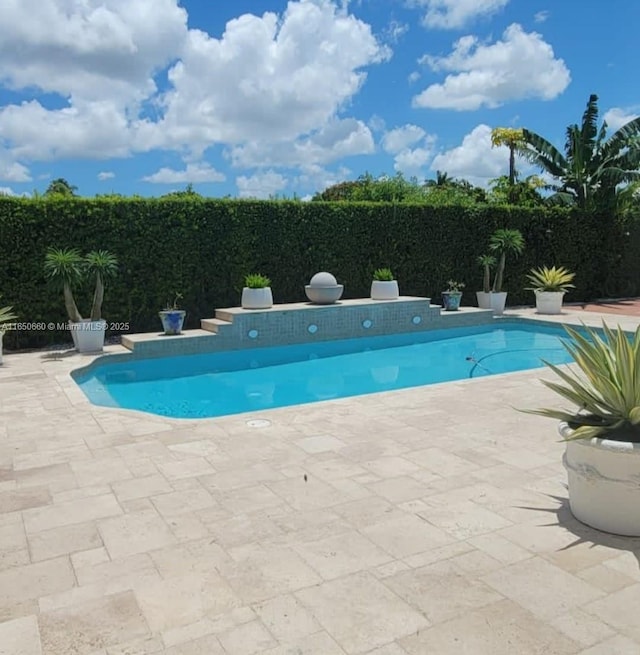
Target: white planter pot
{"x": 498, "y": 300}
{"x": 484, "y": 299}
{"x": 257, "y": 298}
{"x": 384, "y": 290}
{"x": 88, "y": 335}
{"x": 604, "y": 487}
{"x": 549, "y": 302}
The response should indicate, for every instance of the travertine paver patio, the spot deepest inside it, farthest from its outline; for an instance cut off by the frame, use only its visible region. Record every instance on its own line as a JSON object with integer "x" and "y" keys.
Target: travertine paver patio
{"x": 432, "y": 520}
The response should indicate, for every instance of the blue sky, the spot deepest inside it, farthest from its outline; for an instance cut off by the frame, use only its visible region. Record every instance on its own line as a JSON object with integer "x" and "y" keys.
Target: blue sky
{"x": 250, "y": 98}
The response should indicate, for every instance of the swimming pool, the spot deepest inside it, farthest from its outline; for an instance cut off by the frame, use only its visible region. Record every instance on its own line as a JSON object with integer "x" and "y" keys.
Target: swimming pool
{"x": 219, "y": 384}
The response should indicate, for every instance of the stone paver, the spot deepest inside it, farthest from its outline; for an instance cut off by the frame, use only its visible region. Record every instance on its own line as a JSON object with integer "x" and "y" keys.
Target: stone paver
{"x": 429, "y": 520}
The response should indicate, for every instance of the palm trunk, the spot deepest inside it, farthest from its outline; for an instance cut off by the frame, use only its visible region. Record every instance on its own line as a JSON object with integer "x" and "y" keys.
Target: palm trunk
{"x": 486, "y": 284}
{"x": 512, "y": 165}
{"x": 98, "y": 295}
{"x": 70, "y": 305}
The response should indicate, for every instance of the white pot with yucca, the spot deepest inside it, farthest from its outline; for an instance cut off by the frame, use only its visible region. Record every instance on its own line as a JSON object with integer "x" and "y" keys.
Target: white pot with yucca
{"x": 602, "y": 455}
{"x": 550, "y": 285}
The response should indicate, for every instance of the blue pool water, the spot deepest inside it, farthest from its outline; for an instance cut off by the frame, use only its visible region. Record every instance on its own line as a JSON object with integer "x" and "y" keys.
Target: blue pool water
{"x": 218, "y": 384}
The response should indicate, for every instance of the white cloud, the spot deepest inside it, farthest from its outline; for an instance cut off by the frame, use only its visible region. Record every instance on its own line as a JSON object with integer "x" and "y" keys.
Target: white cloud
{"x": 260, "y": 185}
{"x": 95, "y": 130}
{"x": 316, "y": 179}
{"x": 267, "y": 76}
{"x": 192, "y": 174}
{"x": 616, "y": 117}
{"x": 400, "y": 138}
{"x": 272, "y": 83}
{"x": 541, "y": 16}
{"x": 336, "y": 140}
{"x": 521, "y": 65}
{"x": 106, "y": 175}
{"x": 474, "y": 160}
{"x": 413, "y": 77}
{"x": 412, "y": 148}
{"x": 12, "y": 171}
{"x": 7, "y": 191}
{"x": 86, "y": 49}
{"x": 395, "y": 31}
{"x": 454, "y": 14}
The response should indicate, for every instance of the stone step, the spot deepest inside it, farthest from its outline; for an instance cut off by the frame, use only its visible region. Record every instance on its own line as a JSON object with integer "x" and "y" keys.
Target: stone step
{"x": 213, "y": 324}
{"x": 130, "y": 341}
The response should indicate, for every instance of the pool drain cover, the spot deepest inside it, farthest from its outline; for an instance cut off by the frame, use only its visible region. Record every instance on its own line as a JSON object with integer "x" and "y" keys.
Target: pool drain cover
{"x": 259, "y": 423}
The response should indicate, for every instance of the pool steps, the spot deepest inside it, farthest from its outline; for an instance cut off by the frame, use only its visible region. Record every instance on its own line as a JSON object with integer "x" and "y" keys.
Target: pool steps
{"x": 235, "y": 328}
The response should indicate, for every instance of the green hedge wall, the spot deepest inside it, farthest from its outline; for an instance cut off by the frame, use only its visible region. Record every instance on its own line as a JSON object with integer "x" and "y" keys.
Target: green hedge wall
{"x": 204, "y": 247}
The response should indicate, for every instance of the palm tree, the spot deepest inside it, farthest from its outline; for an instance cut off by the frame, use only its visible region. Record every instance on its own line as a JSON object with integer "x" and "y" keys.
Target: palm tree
{"x": 512, "y": 138}
{"x": 592, "y": 166}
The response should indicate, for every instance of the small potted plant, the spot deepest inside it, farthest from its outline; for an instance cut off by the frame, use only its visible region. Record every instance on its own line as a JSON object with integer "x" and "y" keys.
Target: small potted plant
{"x": 6, "y": 315}
{"x": 484, "y": 297}
{"x": 257, "y": 292}
{"x": 69, "y": 269}
{"x": 172, "y": 316}
{"x": 384, "y": 285}
{"x": 503, "y": 242}
{"x": 452, "y": 296}
{"x": 550, "y": 285}
{"x": 602, "y": 433}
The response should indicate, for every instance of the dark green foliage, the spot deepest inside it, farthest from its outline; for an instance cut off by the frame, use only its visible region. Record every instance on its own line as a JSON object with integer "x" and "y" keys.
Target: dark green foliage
{"x": 205, "y": 248}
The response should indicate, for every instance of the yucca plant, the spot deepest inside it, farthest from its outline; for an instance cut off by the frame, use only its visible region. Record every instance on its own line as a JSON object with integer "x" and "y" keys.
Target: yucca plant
{"x": 257, "y": 281}
{"x": 487, "y": 262}
{"x": 383, "y": 275}
{"x": 68, "y": 268}
{"x": 100, "y": 265}
{"x": 606, "y": 388}
{"x": 550, "y": 279}
{"x": 504, "y": 242}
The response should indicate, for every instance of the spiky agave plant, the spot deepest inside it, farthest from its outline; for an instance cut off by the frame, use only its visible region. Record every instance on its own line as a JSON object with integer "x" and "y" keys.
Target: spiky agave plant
{"x": 550, "y": 279}
{"x": 6, "y": 315}
{"x": 606, "y": 387}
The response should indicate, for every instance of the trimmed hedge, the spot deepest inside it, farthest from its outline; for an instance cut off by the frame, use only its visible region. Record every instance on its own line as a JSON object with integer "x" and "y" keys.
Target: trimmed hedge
{"x": 204, "y": 247}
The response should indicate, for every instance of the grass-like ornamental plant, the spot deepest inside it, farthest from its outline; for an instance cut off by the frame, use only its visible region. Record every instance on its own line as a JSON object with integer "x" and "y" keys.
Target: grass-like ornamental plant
{"x": 257, "y": 281}
{"x": 550, "y": 279}
{"x": 606, "y": 388}
{"x": 383, "y": 275}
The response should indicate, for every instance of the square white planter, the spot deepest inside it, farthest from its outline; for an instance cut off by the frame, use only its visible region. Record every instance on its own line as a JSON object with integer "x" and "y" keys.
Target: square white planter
{"x": 88, "y": 335}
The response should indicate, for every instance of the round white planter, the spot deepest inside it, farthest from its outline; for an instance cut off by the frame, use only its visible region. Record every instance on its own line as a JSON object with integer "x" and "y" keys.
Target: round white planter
{"x": 604, "y": 483}
{"x": 498, "y": 300}
{"x": 88, "y": 335}
{"x": 384, "y": 290}
{"x": 549, "y": 302}
{"x": 257, "y": 298}
{"x": 484, "y": 299}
